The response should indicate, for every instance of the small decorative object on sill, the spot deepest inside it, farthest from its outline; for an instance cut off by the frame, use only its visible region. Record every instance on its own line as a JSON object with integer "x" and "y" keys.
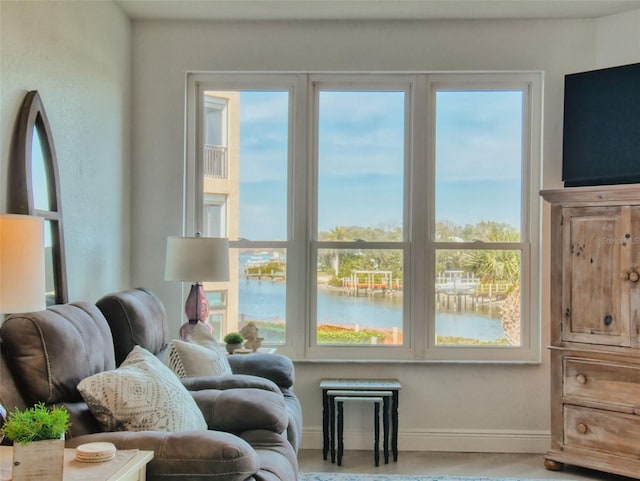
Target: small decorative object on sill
{"x": 233, "y": 341}
{"x": 38, "y": 442}
{"x": 250, "y": 332}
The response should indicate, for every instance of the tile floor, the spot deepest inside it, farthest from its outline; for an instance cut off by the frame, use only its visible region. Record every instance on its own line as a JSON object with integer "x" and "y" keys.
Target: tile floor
{"x": 455, "y": 464}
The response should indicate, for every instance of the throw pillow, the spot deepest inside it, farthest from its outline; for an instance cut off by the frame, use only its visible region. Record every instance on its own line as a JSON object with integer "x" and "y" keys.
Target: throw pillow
{"x": 187, "y": 359}
{"x": 203, "y": 336}
{"x": 141, "y": 395}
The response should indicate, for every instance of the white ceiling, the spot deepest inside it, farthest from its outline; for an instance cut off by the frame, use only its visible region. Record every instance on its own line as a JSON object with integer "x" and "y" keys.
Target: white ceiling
{"x": 371, "y": 9}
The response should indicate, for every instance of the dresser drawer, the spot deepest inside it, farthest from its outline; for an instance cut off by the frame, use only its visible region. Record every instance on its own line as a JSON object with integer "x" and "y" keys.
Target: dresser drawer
{"x": 607, "y": 431}
{"x": 602, "y": 382}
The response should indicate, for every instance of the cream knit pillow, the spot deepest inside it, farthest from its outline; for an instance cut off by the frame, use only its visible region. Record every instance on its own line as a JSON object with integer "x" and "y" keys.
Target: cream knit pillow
{"x": 187, "y": 359}
{"x": 141, "y": 395}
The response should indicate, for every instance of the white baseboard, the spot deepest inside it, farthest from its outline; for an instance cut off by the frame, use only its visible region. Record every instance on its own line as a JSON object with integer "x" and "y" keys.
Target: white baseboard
{"x": 457, "y": 440}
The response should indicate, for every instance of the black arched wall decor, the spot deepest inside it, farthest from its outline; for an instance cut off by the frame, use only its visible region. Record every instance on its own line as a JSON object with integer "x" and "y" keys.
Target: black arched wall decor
{"x": 34, "y": 189}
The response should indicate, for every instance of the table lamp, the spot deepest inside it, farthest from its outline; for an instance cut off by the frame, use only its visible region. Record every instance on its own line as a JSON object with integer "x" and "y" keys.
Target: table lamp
{"x": 196, "y": 259}
{"x": 22, "y": 274}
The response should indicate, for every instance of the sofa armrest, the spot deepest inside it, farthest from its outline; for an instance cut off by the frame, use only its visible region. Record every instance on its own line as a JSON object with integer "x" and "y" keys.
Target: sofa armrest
{"x": 276, "y": 367}
{"x": 239, "y": 410}
{"x": 193, "y": 455}
{"x": 231, "y": 381}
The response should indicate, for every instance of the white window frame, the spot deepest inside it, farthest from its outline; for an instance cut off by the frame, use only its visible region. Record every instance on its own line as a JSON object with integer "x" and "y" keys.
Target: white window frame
{"x": 419, "y": 222}
{"x": 327, "y": 82}
{"x": 530, "y": 84}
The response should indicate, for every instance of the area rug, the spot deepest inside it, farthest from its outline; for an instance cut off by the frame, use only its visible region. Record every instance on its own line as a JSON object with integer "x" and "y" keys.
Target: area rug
{"x": 400, "y": 477}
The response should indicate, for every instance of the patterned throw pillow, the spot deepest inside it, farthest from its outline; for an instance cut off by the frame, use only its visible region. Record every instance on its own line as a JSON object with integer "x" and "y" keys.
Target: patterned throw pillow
{"x": 187, "y": 359}
{"x": 202, "y": 336}
{"x": 142, "y": 394}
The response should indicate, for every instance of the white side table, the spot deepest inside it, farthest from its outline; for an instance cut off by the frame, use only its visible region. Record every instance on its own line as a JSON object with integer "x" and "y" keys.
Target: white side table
{"x": 128, "y": 465}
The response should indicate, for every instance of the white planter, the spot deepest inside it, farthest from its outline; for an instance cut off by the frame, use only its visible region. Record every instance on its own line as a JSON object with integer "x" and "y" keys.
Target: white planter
{"x": 232, "y": 347}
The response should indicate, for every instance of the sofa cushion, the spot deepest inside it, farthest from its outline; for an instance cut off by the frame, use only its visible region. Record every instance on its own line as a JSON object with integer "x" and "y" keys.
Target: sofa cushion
{"x": 51, "y": 351}
{"x": 137, "y": 318}
{"x": 141, "y": 395}
{"x": 191, "y": 360}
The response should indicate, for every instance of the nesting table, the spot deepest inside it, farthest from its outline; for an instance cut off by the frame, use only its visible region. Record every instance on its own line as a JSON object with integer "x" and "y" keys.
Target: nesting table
{"x": 357, "y": 388}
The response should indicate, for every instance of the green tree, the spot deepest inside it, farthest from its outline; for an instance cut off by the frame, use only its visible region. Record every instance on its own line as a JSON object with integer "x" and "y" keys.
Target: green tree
{"x": 332, "y": 260}
{"x": 501, "y": 265}
{"x": 494, "y": 265}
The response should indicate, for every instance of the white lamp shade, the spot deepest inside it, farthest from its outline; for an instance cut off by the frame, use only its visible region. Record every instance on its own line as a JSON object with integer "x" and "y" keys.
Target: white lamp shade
{"x": 22, "y": 278}
{"x": 197, "y": 259}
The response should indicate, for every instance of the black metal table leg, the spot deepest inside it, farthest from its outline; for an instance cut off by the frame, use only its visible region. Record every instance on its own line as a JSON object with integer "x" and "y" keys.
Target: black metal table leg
{"x": 376, "y": 436}
{"x": 340, "y": 432}
{"x": 332, "y": 429}
{"x": 325, "y": 424}
{"x": 394, "y": 423}
{"x": 385, "y": 428}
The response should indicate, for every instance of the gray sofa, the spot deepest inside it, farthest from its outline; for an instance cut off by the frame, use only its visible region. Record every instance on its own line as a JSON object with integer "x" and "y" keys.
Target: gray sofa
{"x": 253, "y": 417}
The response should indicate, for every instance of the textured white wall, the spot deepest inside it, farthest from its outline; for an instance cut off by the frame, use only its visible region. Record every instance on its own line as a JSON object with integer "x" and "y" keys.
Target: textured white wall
{"x": 78, "y": 56}
{"x": 618, "y": 40}
{"x": 467, "y": 407}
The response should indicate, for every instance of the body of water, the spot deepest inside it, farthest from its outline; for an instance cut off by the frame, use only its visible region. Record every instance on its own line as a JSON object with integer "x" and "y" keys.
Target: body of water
{"x": 265, "y": 300}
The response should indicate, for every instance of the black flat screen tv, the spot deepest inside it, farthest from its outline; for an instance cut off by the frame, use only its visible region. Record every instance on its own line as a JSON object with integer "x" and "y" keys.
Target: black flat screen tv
{"x": 601, "y": 136}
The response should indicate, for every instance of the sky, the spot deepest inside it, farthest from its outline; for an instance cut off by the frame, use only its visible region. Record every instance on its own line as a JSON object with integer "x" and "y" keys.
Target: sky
{"x": 361, "y": 148}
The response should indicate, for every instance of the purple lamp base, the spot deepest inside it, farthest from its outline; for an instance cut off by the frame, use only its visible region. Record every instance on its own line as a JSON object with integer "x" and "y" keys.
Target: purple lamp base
{"x": 196, "y": 307}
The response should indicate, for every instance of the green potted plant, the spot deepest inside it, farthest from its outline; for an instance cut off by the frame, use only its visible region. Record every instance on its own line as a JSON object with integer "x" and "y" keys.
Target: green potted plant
{"x": 234, "y": 341}
{"x": 37, "y": 433}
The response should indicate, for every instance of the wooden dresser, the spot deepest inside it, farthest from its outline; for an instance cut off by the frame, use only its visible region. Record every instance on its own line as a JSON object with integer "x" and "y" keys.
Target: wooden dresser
{"x": 595, "y": 328}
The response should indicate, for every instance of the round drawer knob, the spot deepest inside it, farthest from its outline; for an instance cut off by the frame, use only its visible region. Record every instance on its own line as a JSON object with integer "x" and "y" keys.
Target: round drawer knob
{"x": 634, "y": 276}
{"x": 581, "y": 378}
{"x": 582, "y": 428}
{"x": 624, "y": 275}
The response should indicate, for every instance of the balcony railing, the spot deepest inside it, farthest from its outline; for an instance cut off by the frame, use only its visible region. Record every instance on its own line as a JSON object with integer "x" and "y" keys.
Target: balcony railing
{"x": 215, "y": 161}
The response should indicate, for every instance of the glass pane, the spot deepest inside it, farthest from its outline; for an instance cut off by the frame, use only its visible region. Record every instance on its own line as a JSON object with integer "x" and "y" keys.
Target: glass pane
{"x": 361, "y": 164}
{"x": 39, "y": 178}
{"x": 216, "y": 321}
{"x": 477, "y": 297}
{"x": 215, "y": 216}
{"x": 250, "y": 166}
{"x": 478, "y": 165}
{"x": 359, "y": 296}
{"x": 214, "y": 126}
{"x": 262, "y": 292}
{"x": 50, "y": 230}
{"x": 217, "y": 300}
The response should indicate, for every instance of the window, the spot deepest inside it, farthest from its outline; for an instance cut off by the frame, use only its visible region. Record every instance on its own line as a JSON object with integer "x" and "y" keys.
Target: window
{"x": 243, "y": 161}
{"x": 375, "y": 216}
{"x": 215, "y": 215}
{"x": 215, "y": 136}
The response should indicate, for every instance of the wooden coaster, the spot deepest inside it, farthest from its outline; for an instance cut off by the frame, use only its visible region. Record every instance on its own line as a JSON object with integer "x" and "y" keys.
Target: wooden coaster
{"x": 95, "y": 452}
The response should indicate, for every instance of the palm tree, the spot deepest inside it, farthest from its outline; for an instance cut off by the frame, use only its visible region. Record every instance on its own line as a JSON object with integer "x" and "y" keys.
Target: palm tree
{"x": 501, "y": 265}
{"x": 510, "y": 316}
{"x": 337, "y": 233}
{"x": 494, "y": 265}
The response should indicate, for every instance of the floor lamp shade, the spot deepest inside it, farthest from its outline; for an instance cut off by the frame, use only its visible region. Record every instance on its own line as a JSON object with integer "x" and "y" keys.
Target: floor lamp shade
{"x": 22, "y": 273}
